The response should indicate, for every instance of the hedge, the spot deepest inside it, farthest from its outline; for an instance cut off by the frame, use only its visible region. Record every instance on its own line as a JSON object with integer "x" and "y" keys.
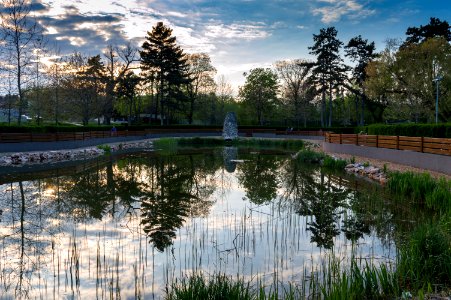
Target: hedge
{"x": 72, "y": 128}
{"x": 426, "y": 130}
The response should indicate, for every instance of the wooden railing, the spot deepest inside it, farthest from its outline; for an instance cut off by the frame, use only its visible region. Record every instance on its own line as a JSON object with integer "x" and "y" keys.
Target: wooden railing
{"x": 302, "y": 132}
{"x": 64, "y": 136}
{"x": 418, "y": 144}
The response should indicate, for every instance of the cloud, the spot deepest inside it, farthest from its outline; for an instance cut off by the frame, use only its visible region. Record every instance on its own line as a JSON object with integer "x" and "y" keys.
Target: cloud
{"x": 334, "y": 10}
{"x": 237, "y": 31}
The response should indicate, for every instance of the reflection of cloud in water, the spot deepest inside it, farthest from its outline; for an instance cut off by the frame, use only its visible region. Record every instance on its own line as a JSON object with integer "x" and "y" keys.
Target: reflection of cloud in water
{"x": 113, "y": 252}
{"x": 230, "y": 155}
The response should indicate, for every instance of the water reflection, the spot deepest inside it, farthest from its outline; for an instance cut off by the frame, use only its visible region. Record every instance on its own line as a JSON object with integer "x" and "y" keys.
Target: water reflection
{"x": 92, "y": 234}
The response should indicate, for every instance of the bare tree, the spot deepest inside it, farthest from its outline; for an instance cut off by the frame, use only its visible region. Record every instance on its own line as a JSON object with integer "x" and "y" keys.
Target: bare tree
{"x": 224, "y": 92}
{"x": 19, "y": 32}
{"x": 201, "y": 73}
{"x": 296, "y": 86}
{"x": 119, "y": 62}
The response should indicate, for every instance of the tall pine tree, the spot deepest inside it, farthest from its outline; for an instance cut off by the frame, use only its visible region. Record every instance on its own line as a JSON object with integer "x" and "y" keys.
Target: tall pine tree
{"x": 162, "y": 57}
{"x": 361, "y": 52}
{"x": 329, "y": 69}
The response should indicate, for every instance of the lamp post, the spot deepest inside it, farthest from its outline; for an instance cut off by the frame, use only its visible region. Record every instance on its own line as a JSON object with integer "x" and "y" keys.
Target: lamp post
{"x": 437, "y": 80}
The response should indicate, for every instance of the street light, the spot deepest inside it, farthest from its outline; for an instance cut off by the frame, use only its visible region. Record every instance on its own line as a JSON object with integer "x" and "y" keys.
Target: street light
{"x": 437, "y": 80}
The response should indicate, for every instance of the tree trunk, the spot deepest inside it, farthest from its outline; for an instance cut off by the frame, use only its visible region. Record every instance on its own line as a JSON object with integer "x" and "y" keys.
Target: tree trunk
{"x": 330, "y": 106}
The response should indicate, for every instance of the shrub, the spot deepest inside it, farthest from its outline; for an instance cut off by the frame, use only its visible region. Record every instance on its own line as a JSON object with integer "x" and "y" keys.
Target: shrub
{"x": 427, "y": 130}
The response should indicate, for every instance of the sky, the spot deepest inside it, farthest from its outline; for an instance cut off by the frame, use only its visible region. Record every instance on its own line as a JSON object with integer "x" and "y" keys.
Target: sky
{"x": 238, "y": 35}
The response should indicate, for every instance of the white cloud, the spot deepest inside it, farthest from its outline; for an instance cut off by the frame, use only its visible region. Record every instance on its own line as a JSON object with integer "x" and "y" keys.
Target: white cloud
{"x": 335, "y": 9}
{"x": 237, "y": 31}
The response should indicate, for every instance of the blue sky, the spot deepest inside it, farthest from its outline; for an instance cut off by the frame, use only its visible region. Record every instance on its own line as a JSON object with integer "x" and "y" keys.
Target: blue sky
{"x": 238, "y": 35}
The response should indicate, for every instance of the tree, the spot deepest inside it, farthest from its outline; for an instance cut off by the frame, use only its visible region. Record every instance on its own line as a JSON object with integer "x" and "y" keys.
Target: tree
{"x": 260, "y": 91}
{"x": 119, "y": 62}
{"x": 201, "y": 73}
{"x": 435, "y": 28}
{"x": 360, "y": 52}
{"x": 94, "y": 75}
{"x": 328, "y": 70}
{"x": 162, "y": 58}
{"x": 403, "y": 78}
{"x": 127, "y": 90}
{"x": 20, "y": 33}
{"x": 297, "y": 86}
{"x": 84, "y": 86}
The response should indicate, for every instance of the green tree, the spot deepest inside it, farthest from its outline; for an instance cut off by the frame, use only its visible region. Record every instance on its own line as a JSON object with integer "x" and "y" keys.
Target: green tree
{"x": 361, "y": 52}
{"x": 260, "y": 91}
{"x": 127, "y": 91}
{"x": 403, "y": 78}
{"x": 162, "y": 57}
{"x": 329, "y": 69}
{"x": 435, "y": 28}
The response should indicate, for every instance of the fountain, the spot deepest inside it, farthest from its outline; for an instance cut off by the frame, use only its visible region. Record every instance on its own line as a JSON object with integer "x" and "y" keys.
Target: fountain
{"x": 230, "y": 129}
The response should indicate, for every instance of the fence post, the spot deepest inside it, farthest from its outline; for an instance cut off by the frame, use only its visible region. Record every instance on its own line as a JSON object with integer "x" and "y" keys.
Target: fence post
{"x": 357, "y": 139}
{"x": 422, "y": 143}
{"x": 397, "y": 142}
{"x": 377, "y": 141}
{"x": 340, "y": 138}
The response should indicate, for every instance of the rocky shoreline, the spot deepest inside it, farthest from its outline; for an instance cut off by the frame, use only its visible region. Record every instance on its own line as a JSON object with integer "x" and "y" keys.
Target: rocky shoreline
{"x": 368, "y": 171}
{"x": 40, "y": 157}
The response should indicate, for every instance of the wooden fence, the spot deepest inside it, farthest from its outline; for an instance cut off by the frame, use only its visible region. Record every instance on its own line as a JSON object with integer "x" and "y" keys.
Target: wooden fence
{"x": 419, "y": 144}
{"x": 64, "y": 136}
{"x": 80, "y": 136}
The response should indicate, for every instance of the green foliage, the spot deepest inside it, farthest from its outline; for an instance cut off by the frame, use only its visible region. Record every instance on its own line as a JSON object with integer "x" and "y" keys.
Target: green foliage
{"x": 165, "y": 63}
{"x": 173, "y": 143}
{"x": 426, "y": 257}
{"x": 217, "y": 288}
{"x": 436, "y": 194}
{"x": 367, "y": 282}
{"x": 334, "y": 164}
{"x": 166, "y": 144}
{"x": 260, "y": 92}
{"x": 310, "y": 156}
{"x": 105, "y": 148}
{"x": 427, "y": 130}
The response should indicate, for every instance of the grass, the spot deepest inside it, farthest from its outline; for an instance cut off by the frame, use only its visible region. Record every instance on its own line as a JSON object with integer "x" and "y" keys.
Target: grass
{"x": 105, "y": 148}
{"x": 217, "y": 287}
{"x": 174, "y": 143}
{"x": 328, "y": 162}
{"x": 423, "y": 189}
{"x": 425, "y": 258}
{"x": 334, "y": 164}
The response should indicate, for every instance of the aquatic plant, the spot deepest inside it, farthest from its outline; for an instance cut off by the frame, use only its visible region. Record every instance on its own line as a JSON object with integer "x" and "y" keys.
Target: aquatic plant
{"x": 105, "y": 148}
{"x": 333, "y": 163}
{"x": 422, "y": 189}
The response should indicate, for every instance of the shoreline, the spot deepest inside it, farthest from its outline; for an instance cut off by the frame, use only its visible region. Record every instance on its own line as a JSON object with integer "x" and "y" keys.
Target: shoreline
{"x": 19, "y": 159}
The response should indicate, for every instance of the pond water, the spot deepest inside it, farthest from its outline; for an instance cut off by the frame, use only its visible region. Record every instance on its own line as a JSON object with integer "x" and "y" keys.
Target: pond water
{"x": 125, "y": 227}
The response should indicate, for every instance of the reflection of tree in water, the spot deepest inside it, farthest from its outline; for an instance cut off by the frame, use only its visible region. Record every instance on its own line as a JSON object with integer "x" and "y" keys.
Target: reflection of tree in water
{"x": 312, "y": 193}
{"x": 260, "y": 177}
{"x": 179, "y": 187}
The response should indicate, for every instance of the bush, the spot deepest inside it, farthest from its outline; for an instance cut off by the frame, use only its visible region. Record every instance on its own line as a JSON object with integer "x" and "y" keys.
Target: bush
{"x": 427, "y": 130}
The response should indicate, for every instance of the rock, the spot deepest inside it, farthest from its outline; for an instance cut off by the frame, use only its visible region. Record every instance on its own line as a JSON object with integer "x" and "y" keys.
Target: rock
{"x": 350, "y": 166}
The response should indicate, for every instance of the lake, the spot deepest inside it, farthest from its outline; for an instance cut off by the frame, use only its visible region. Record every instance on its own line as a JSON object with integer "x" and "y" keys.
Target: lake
{"x": 127, "y": 226}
